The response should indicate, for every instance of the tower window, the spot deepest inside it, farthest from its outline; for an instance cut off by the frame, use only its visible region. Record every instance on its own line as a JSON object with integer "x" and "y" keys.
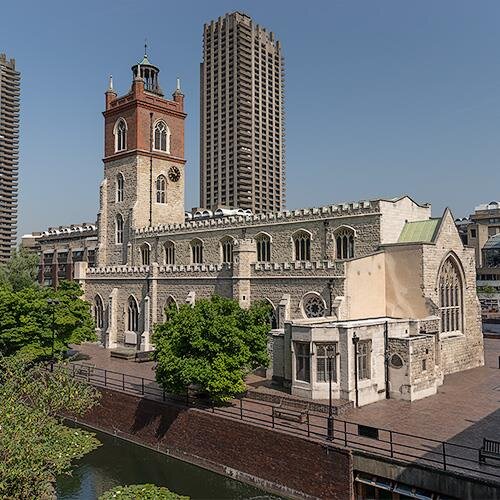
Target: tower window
{"x": 120, "y": 135}
{"x": 119, "y": 229}
{"x": 161, "y": 189}
{"x": 120, "y": 187}
{"x": 162, "y": 137}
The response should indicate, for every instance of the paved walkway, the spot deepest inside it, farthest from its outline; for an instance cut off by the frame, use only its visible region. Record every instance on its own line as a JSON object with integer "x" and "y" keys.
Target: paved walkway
{"x": 466, "y": 409}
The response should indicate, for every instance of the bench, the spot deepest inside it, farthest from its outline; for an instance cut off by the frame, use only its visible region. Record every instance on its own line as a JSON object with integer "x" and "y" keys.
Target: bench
{"x": 288, "y": 409}
{"x": 490, "y": 449}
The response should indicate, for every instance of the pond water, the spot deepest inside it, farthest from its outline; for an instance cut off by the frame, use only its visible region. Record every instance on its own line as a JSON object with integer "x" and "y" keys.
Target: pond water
{"x": 119, "y": 462}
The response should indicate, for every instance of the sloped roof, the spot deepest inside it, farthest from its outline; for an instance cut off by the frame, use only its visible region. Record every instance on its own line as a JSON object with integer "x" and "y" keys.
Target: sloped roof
{"x": 422, "y": 231}
{"x": 493, "y": 242}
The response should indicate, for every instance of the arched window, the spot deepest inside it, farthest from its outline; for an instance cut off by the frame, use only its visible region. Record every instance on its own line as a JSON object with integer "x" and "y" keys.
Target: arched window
{"x": 197, "y": 251}
{"x": 450, "y": 297}
{"x": 169, "y": 253}
{"x": 313, "y": 306}
{"x": 170, "y": 303}
{"x": 344, "y": 240}
{"x": 120, "y": 187}
{"x": 99, "y": 312}
{"x": 120, "y": 135}
{"x": 133, "y": 315}
{"x": 302, "y": 243}
{"x": 263, "y": 242}
{"x": 161, "y": 137}
{"x": 145, "y": 254}
{"x": 161, "y": 189}
{"x": 273, "y": 315}
{"x": 227, "y": 245}
{"x": 119, "y": 229}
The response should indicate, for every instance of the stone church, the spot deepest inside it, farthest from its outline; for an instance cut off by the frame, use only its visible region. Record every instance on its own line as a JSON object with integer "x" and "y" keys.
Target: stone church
{"x": 376, "y": 294}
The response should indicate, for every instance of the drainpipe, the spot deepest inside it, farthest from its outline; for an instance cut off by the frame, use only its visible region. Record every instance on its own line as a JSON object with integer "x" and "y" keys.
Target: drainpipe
{"x": 355, "y": 340}
{"x": 330, "y": 289}
{"x": 150, "y": 169}
{"x": 386, "y": 359}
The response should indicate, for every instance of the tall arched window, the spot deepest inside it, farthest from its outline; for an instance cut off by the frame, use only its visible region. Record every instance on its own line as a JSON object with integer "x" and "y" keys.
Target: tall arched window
{"x": 161, "y": 189}
{"x": 170, "y": 303}
{"x": 99, "y": 312}
{"x": 169, "y": 253}
{"x": 120, "y": 135}
{"x": 133, "y": 315}
{"x": 120, "y": 187}
{"x": 145, "y": 254}
{"x": 344, "y": 241}
{"x": 161, "y": 137}
{"x": 302, "y": 243}
{"x": 119, "y": 229}
{"x": 450, "y": 297}
{"x": 227, "y": 249}
{"x": 273, "y": 315}
{"x": 197, "y": 251}
{"x": 263, "y": 242}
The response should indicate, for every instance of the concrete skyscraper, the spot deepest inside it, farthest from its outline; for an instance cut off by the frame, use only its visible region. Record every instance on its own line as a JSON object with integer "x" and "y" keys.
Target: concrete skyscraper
{"x": 9, "y": 151}
{"x": 242, "y": 154}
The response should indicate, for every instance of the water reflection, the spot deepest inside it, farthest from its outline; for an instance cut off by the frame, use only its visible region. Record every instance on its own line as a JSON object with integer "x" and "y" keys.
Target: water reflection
{"x": 119, "y": 462}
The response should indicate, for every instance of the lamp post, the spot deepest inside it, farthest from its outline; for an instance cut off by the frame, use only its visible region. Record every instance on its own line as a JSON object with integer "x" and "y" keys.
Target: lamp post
{"x": 53, "y": 303}
{"x": 330, "y": 353}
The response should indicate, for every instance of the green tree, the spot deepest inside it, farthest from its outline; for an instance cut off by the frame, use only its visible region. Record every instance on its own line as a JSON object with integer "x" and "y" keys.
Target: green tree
{"x": 141, "y": 492}
{"x": 487, "y": 289}
{"x": 28, "y": 321}
{"x": 211, "y": 345}
{"x": 20, "y": 271}
{"x": 35, "y": 446}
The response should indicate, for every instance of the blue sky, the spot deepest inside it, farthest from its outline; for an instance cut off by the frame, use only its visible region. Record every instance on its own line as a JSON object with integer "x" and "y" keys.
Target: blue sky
{"x": 382, "y": 97}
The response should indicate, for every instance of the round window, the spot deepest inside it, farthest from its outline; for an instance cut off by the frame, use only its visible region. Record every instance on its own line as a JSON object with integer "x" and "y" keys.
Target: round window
{"x": 314, "y": 307}
{"x": 396, "y": 361}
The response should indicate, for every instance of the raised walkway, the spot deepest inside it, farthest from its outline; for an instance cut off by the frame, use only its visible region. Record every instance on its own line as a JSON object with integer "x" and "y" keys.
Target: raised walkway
{"x": 443, "y": 431}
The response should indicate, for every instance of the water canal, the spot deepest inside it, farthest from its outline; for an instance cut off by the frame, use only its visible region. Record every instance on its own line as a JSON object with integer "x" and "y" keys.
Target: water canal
{"x": 119, "y": 462}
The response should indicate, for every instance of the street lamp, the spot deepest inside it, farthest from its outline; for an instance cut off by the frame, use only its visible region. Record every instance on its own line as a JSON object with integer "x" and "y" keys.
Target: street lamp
{"x": 53, "y": 303}
{"x": 330, "y": 354}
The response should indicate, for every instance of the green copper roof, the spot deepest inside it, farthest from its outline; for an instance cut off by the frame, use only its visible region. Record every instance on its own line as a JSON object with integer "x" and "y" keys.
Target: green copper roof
{"x": 145, "y": 60}
{"x": 419, "y": 232}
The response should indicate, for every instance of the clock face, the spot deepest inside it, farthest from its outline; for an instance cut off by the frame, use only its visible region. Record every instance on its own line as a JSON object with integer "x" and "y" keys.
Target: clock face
{"x": 174, "y": 174}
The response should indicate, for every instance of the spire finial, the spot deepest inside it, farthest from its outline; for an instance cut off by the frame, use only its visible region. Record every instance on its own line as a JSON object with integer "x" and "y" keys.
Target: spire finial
{"x": 110, "y": 83}
{"x": 145, "y": 47}
{"x": 178, "y": 86}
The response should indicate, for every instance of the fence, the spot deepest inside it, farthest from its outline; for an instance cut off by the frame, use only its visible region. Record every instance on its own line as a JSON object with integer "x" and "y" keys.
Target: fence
{"x": 388, "y": 443}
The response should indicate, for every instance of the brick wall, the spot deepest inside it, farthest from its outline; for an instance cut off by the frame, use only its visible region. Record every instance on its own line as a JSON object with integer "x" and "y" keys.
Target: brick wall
{"x": 265, "y": 455}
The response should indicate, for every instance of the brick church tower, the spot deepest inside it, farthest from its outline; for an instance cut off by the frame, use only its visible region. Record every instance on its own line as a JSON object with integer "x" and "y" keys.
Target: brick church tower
{"x": 144, "y": 163}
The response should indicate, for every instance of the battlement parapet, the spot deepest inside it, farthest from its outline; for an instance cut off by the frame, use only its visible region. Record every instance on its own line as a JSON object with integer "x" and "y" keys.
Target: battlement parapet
{"x": 327, "y": 266}
{"x": 304, "y": 214}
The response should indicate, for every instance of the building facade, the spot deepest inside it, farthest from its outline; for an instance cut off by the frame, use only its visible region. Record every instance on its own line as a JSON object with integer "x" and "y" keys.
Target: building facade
{"x": 242, "y": 144}
{"x": 385, "y": 287}
{"x": 481, "y": 231}
{"x": 10, "y": 84}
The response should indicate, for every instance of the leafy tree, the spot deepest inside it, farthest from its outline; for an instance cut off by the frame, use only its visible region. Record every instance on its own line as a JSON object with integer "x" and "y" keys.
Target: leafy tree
{"x": 141, "y": 492}
{"x": 20, "y": 271}
{"x": 211, "y": 345}
{"x": 28, "y": 321}
{"x": 35, "y": 446}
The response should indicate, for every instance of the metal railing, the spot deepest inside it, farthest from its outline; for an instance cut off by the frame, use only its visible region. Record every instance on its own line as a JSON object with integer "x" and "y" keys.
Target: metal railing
{"x": 443, "y": 455}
